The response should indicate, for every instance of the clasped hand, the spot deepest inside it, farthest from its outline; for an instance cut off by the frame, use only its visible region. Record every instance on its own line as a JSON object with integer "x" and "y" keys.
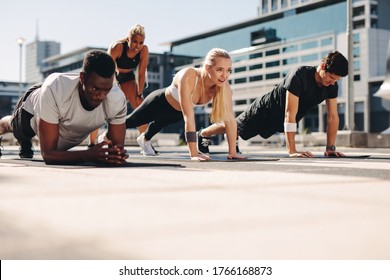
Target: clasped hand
{"x": 105, "y": 152}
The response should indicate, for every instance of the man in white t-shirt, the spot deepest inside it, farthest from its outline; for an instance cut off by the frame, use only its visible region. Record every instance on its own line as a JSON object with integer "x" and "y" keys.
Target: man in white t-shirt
{"x": 66, "y": 108}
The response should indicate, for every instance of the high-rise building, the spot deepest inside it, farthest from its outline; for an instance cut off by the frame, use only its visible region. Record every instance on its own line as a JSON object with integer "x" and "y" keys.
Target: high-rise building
{"x": 288, "y": 33}
{"x": 36, "y": 52}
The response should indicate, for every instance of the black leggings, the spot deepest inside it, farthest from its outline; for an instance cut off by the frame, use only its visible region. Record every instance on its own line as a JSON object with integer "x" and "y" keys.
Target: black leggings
{"x": 155, "y": 111}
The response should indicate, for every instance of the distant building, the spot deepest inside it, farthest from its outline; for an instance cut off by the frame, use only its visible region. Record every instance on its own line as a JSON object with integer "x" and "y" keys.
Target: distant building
{"x": 36, "y": 52}
{"x": 288, "y": 33}
{"x": 9, "y": 95}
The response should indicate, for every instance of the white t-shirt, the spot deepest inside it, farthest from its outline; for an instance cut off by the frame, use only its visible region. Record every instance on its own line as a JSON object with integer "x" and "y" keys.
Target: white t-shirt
{"x": 58, "y": 102}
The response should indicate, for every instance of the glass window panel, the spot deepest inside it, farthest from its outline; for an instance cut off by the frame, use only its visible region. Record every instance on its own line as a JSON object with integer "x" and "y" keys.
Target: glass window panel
{"x": 256, "y": 66}
{"x": 310, "y": 57}
{"x": 326, "y": 42}
{"x": 256, "y": 78}
{"x": 239, "y": 69}
{"x": 291, "y": 60}
{"x": 309, "y": 45}
{"x": 272, "y": 64}
{"x": 240, "y": 81}
{"x": 272, "y": 52}
{"x": 272, "y": 76}
{"x": 292, "y": 48}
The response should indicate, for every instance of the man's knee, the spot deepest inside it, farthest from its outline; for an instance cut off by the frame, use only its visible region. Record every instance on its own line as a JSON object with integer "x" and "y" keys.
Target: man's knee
{"x": 5, "y": 124}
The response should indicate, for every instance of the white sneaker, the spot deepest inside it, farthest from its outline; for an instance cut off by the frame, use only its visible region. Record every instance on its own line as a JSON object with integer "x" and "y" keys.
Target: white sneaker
{"x": 146, "y": 146}
{"x": 103, "y": 137}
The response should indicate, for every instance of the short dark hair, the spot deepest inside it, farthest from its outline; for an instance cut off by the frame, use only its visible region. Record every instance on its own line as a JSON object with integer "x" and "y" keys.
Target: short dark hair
{"x": 336, "y": 63}
{"x": 99, "y": 62}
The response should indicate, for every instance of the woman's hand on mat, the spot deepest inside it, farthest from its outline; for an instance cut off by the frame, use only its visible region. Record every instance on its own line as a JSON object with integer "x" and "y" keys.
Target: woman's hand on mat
{"x": 305, "y": 154}
{"x": 200, "y": 157}
{"x": 333, "y": 154}
{"x": 236, "y": 157}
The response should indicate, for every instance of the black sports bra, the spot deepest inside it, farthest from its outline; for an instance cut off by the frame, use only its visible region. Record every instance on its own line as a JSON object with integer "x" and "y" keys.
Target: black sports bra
{"x": 126, "y": 62}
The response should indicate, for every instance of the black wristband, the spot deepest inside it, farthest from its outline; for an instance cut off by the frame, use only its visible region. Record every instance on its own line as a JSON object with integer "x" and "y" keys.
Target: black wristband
{"x": 190, "y": 136}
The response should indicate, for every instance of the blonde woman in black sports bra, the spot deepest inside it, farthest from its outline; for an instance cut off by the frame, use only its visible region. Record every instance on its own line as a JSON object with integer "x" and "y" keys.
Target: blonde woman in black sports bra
{"x": 190, "y": 87}
{"x": 131, "y": 55}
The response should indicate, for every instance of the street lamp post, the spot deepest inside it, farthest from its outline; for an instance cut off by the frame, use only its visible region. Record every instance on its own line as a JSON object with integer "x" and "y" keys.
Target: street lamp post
{"x": 20, "y": 42}
{"x": 350, "y": 100}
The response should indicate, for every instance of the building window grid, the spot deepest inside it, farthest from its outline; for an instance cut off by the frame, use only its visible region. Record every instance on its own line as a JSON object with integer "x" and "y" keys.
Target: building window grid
{"x": 267, "y": 71}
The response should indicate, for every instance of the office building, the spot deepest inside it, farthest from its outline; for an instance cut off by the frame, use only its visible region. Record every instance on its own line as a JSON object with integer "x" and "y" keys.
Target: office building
{"x": 36, "y": 52}
{"x": 9, "y": 96}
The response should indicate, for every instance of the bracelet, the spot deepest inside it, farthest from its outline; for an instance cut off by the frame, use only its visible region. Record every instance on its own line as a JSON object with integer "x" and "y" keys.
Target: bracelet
{"x": 331, "y": 148}
{"x": 190, "y": 136}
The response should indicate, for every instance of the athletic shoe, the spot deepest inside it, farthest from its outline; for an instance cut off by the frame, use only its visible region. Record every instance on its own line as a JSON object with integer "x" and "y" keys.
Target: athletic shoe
{"x": 90, "y": 146}
{"x": 1, "y": 147}
{"x": 25, "y": 149}
{"x": 155, "y": 151}
{"x": 146, "y": 146}
{"x": 203, "y": 143}
{"x": 102, "y": 137}
{"x": 238, "y": 148}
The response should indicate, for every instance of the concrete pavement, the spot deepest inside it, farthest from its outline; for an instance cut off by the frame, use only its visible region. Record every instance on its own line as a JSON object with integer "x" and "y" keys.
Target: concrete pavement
{"x": 167, "y": 207}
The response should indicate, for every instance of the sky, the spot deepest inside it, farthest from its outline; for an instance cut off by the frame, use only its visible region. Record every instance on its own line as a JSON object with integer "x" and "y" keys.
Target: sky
{"x": 80, "y": 23}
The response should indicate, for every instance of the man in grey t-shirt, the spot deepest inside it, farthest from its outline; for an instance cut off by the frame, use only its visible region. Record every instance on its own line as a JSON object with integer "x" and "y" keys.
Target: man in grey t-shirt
{"x": 66, "y": 108}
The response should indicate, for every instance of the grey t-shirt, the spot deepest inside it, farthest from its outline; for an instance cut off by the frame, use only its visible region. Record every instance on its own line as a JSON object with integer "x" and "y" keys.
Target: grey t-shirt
{"x": 58, "y": 102}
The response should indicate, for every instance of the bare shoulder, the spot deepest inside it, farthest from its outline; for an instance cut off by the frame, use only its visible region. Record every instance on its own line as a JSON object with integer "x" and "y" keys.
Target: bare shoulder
{"x": 116, "y": 48}
{"x": 145, "y": 51}
{"x": 186, "y": 75}
{"x": 188, "y": 72}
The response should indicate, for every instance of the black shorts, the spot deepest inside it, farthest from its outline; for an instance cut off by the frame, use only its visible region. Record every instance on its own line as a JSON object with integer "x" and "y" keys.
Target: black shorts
{"x": 21, "y": 118}
{"x": 125, "y": 77}
{"x": 251, "y": 123}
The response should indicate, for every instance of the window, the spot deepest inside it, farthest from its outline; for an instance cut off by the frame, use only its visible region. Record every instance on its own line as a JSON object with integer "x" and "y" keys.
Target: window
{"x": 256, "y": 55}
{"x": 356, "y": 38}
{"x": 272, "y": 52}
{"x": 239, "y": 69}
{"x": 358, "y": 24}
{"x": 256, "y": 66}
{"x": 240, "y": 81}
{"x": 240, "y": 102}
{"x": 309, "y": 45}
{"x": 292, "y": 48}
{"x": 358, "y": 11}
{"x": 356, "y": 65}
{"x": 272, "y": 76}
{"x": 256, "y": 78}
{"x": 291, "y": 60}
{"x": 274, "y": 4}
{"x": 272, "y": 64}
{"x": 310, "y": 57}
{"x": 326, "y": 42}
{"x": 356, "y": 51}
{"x": 264, "y": 4}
